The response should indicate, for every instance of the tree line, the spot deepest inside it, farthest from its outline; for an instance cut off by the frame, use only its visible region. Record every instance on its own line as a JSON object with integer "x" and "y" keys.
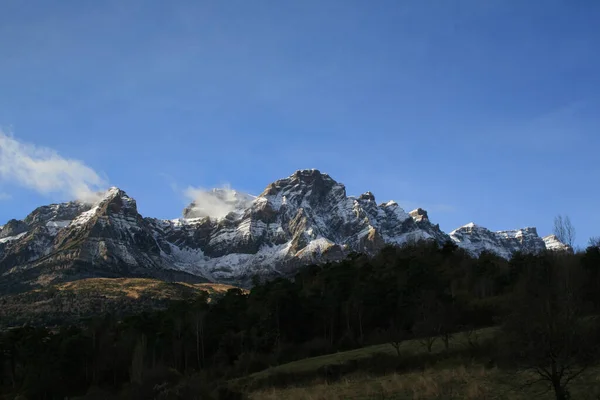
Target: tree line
{"x": 545, "y": 304}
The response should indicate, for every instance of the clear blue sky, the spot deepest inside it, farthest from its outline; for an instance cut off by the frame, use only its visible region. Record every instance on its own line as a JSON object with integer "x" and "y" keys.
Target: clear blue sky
{"x": 483, "y": 111}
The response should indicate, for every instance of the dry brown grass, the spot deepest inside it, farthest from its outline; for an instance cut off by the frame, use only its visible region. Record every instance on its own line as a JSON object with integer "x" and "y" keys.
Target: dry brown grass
{"x": 452, "y": 378}
{"x": 468, "y": 383}
{"x": 135, "y": 287}
{"x": 471, "y": 382}
{"x": 408, "y": 347}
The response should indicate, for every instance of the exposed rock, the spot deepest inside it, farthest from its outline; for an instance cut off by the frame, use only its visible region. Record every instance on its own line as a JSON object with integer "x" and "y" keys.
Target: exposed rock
{"x": 476, "y": 239}
{"x": 225, "y": 236}
{"x": 419, "y": 215}
{"x": 553, "y": 243}
{"x": 13, "y": 228}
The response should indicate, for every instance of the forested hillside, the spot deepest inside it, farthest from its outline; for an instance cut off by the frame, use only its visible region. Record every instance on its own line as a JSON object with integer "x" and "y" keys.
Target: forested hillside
{"x": 544, "y": 305}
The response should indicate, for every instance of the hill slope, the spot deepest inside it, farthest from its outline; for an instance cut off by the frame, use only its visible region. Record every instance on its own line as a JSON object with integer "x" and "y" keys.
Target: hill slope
{"x": 72, "y": 301}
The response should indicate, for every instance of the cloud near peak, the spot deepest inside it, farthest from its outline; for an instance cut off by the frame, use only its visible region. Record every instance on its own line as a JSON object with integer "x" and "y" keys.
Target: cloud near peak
{"x": 216, "y": 203}
{"x": 45, "y": 171}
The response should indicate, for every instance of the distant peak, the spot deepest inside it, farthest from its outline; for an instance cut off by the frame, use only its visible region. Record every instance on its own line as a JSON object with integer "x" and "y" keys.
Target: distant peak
{"x": 552, "y": 242}
{"x": 116, "y": 200}
{"x": 308, "y": 173}
{"x": 112, "y": 193}
{"x": 468, "y": 227}
{"x": 368, "y": 196}
{"x": 419, "y": 215}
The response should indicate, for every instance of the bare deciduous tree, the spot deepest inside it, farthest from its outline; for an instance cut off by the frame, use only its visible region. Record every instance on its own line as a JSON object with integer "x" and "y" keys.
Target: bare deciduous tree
{"x": 594, "y": 241}
{"x": 564, "y": 230}
{"x": 547, "y": 333}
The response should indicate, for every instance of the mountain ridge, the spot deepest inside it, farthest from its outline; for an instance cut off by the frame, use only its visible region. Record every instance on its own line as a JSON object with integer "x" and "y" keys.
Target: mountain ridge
{"x": 302, "y": 219}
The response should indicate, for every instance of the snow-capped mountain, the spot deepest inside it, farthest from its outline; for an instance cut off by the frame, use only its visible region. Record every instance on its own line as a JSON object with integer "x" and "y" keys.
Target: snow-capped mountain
{"x": 225, "y": 236}
{"x": 477, "y": 239}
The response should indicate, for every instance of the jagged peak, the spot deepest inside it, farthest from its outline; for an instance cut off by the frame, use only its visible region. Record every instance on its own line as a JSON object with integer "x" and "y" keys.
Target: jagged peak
{"x": 111, "y": 193}
{"x": 419, "y": 215}
{"x": 552, "y": 242}
{"x": 527, "y": 230}
{"x": 56, "y": 212}
{"x": 308, "y": 172}
{"x": 469, "y": 226}
{"x": 117, "y": 199}
{"x": 304, "y": 180}
{"x": 367, "y": 196}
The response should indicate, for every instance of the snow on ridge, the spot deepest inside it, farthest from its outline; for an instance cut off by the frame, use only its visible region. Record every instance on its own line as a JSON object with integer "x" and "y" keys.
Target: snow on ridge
{"x": 12, "y": 238}
{"x": 84, "y": 217}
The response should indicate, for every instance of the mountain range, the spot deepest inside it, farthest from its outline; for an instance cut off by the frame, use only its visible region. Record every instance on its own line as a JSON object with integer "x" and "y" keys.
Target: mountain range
{"x": 226, "y": 236}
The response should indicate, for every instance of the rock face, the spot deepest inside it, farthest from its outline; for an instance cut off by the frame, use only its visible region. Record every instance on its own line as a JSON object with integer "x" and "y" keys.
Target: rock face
{"x": 476, "y": 239}
{"x": 553, "y": 243}
{"x": 72, "y": 241}
{"x": 224, "y": 236}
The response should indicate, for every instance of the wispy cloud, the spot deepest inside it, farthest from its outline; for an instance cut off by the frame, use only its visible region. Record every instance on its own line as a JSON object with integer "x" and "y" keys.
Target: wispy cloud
{"x": 45, "y": 171}
{"x": 216, "y": 203}
{"x": 5, "y": 196}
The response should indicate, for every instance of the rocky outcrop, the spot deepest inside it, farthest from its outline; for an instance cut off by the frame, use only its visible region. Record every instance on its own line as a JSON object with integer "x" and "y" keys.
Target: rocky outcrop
{"x": 13, "y": 228}
{"x": 553, "y": 243}
{"x": 419, "y": 215}
{"x": 476, "y": 239}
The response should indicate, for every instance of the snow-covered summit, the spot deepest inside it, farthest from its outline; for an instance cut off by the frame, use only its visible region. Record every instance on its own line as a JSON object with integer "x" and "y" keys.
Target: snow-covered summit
{"x": 228, "y": 236}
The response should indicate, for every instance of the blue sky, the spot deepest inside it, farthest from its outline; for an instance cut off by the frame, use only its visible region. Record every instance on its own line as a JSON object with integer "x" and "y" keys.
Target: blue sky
{"x": 483, "y": 111}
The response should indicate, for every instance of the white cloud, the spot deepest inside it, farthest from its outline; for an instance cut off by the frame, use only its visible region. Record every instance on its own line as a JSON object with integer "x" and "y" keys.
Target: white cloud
{"x": 45, "y": 171}
{"x": 215, "y": 203}
{"x": 5, "y": 196}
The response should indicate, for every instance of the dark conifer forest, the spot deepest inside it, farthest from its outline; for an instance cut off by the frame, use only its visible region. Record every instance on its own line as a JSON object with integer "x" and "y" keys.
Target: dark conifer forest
{"x": 544, "y": 308}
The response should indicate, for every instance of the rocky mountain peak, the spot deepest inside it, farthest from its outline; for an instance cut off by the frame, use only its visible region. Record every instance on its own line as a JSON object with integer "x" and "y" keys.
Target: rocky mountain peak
{"x": 553, "y": 243}
{"x": 56, "y": 213}
{"x": 419, "y": 215}
{"x": 116, "y": 201}
{"x": 13, "y": 228}
{"x": 228, "y": 236}
{"x": 476, "y": 239}
{"x": 308, "y": 187}
{"x": 367, "y": 196}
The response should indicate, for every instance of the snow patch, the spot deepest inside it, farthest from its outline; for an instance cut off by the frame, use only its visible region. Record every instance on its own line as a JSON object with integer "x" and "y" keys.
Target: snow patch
{"x": 12, "y": 238}
{"x": 84, "y": 217}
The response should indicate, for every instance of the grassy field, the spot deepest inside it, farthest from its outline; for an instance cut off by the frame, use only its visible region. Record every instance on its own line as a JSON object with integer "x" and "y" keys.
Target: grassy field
{"x": 439, "y": 375}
